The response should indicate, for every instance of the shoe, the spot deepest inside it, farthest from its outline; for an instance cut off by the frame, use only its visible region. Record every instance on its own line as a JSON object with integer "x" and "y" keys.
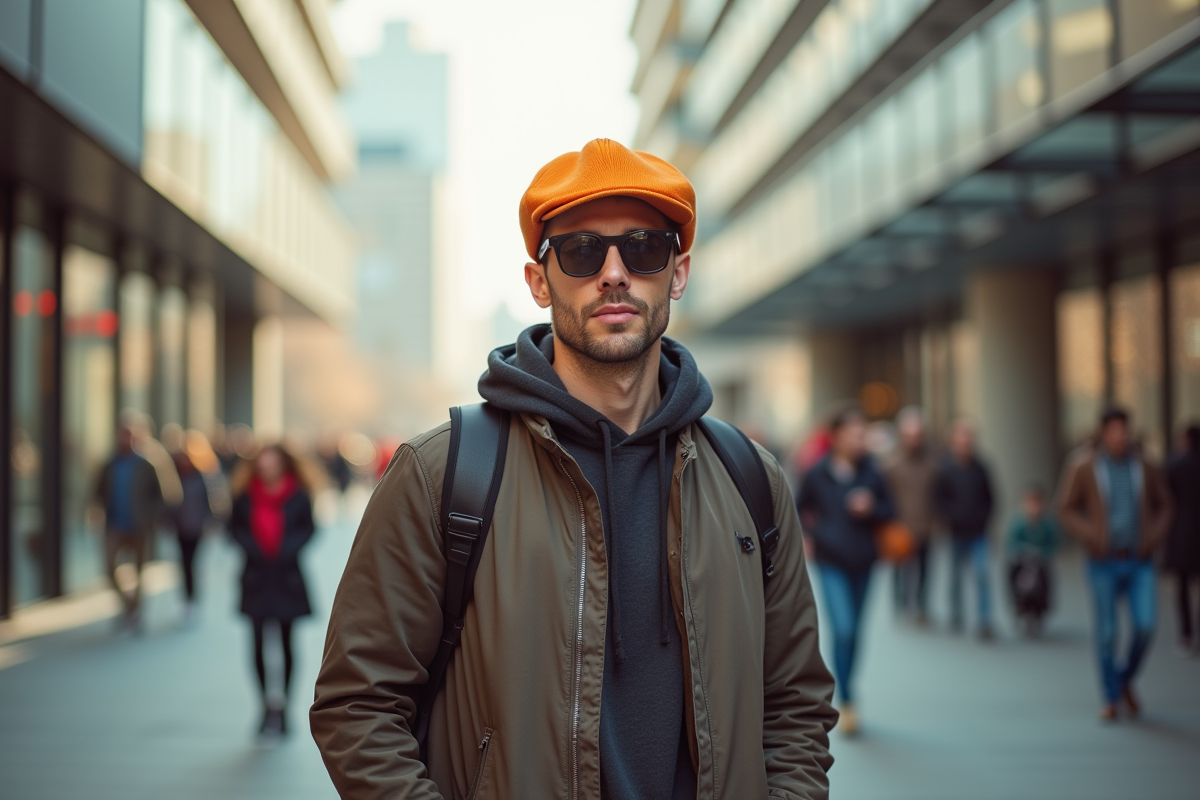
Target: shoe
{"x": 986, "y": 634}
{"x": 848, "y": 720}
{"x": 1131, "y": 702}
{"x": 1108, "y": 713}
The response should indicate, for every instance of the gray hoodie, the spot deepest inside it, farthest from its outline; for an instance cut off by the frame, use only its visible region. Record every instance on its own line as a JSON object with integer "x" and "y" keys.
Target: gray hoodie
{"x": 642, "y": 750}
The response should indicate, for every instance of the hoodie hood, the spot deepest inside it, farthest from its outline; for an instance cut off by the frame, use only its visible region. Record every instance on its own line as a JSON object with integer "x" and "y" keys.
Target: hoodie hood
{"x": 520, "y": 378}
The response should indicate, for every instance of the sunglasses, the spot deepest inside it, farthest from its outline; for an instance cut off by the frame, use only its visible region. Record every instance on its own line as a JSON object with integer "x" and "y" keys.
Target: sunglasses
{"x": 581, "y": 254}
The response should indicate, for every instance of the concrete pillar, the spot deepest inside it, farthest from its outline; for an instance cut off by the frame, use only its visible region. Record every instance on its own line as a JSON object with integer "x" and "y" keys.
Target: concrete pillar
{"x": 268, "y": 379}
{"x": 836, "y": 370}
{"x": 1013, "y": 316}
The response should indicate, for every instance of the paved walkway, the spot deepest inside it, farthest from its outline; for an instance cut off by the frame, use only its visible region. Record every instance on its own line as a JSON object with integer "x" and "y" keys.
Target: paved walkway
{"x": 86, "y": 714}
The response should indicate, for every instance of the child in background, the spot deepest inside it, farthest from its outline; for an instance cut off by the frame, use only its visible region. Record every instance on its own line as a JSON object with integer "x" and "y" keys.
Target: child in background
{"x": 1032, "y": 540}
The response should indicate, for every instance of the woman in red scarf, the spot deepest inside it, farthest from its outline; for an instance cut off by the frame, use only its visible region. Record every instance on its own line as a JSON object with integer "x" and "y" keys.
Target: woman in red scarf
{"x": 271, "y": 521}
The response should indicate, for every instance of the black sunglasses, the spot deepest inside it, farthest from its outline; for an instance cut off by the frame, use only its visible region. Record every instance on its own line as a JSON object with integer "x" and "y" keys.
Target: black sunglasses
{"x": 582, "y": 254}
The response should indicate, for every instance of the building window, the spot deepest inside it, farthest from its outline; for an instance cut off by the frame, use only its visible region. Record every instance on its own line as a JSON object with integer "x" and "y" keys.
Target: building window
{"x": 1016, "y": 36}
{"x": 136, "y": 342}
{"x": 1137, "y": 356}
{"x": 89, "y": 396}
{"x": 1081, "y": 35}
{"x": 1080, "y": 363}
{"x": 1185, "y": 358}
{"x": 1144, "y": 22}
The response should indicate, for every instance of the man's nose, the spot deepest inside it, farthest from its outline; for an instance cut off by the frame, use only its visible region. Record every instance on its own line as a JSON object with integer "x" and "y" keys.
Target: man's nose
{"x": 614, "y": 273}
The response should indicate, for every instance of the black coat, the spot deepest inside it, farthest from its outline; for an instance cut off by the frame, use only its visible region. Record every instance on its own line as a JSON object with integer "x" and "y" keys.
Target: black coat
{"x": 839, "y": 539}
{"x": 1183, "y": 541}
{"x": 962, "y": 495}
{"x": 274, "y": 588}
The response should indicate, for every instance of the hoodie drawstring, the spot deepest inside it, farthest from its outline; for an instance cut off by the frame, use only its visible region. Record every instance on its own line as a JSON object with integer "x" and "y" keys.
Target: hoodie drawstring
{"x": 664, "y": 580}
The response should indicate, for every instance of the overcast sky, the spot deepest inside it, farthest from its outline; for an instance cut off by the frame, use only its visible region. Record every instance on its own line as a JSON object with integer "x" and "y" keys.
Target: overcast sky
{"x": 529, "y": 80}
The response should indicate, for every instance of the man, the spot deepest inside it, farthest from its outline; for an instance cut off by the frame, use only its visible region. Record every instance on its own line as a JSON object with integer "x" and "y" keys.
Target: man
{"x": 1115, "y": 503}
{"x": 620, "y": 642}
{"x": 1183, "y": 543}
{"x": 963, "y": 498}
{"x": 132, "y": 498}
{"x": 910, "y": 472}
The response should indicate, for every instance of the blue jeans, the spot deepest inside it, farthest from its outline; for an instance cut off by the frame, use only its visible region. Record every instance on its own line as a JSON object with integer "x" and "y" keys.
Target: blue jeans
{"x": 1136, "y": 581}
{"x": 845, "y": 595}
{"x": 973, "y": 552}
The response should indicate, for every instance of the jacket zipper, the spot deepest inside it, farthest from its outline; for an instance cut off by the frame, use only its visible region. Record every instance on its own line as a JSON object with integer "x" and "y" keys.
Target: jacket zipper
{"x": 578, "y": 690}
{"x": 484, "y": 746}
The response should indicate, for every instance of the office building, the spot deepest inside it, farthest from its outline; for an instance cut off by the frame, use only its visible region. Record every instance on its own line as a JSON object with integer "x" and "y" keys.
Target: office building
{"x": 987, "y": 208}
{"x": 164, "y": 200}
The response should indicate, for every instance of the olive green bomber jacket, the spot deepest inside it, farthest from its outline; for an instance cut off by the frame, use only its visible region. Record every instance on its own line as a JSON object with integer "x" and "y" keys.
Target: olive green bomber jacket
{"x": 520, "y": 713}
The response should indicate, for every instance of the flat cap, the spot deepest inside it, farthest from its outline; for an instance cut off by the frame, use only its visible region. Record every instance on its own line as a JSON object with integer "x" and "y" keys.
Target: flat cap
{"x": 604, "y": 168}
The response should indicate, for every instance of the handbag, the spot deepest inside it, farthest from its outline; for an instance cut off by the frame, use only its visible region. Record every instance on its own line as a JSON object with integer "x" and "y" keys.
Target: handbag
{"x": 894, "y": 542}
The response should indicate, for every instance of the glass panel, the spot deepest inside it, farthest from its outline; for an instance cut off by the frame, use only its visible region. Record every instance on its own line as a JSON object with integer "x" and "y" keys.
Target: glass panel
{"x": 1137, "y": 357}
{"x": 1081, "y": 33}
{"x": 924, "y": 123}
{"x": 32, "y": 391}
{"x": 963, "y": 76}
{"x": 172, "y": 338}
{"x": 89, "y": 327}
{"x": 1080, "y": 363}
{"x": 202, "y": 365}
{"x": 1185, "y": 317}
{"x": 1016, "y": 35}
{"x": 136, "y": 342}
{"x": 1144, "y": 22}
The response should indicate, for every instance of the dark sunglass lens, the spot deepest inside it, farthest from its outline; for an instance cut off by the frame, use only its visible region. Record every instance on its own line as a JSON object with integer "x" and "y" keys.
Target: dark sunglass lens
{"x": 645, "y": 251}
{"x": 582, "y": 254}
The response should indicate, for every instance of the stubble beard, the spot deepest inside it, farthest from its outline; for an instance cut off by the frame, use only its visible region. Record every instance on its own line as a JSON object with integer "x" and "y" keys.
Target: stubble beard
{"x": 612, "y": 352}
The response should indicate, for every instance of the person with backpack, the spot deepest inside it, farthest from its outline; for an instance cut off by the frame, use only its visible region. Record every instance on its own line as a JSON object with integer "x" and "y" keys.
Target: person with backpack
{"x": 586, "y": 602}
{"x": 842, "y": 501}
{"x": 272, "y": 521}
{"x": 1032, "y": 540}
{"x": 1183, "y": 540}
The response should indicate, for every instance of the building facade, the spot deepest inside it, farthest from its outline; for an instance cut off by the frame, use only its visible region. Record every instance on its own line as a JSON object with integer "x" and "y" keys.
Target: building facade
{"x": 985, "y": 208}
{"x": 164, "y": 199}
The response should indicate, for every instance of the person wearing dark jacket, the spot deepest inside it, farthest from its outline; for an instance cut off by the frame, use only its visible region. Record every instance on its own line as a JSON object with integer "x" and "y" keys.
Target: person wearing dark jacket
{"x": 272, "y": 521}
{"x": 1183, "y": 541}
{"x": 189, "y": 518}
{"x": 842, "y": 500}
{"x": 963, "y": 497}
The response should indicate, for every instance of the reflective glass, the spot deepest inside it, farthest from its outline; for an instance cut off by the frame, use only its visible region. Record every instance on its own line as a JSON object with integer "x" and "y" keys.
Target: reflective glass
{"x": 202, "y": 362}
{"x": 172, "y": 339}
{"x": 965, "y": 91}
{"x": 1185, "y": 340}
{"x": 136, "y": 341}
{"x": 1137, "y": 356}
{"x": 1081, "y": 35}
{"x": 89, "y": 327}
{"x": 1144, "y": 22}
{"x": 1019, "y": 88}
{"x": 1080, "y": 363}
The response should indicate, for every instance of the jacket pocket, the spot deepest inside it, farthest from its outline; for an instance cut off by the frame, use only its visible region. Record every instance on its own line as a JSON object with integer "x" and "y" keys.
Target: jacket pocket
{"x": 485, "y": 747}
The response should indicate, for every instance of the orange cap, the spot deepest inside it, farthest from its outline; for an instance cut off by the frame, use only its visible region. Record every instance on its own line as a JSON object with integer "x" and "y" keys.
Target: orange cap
{"x": 605, "y": 168}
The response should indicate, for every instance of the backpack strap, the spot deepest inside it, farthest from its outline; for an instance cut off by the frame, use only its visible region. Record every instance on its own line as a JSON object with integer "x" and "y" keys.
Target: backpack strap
{"x": 742, "y": 462}
{"x": 474, "y": 470}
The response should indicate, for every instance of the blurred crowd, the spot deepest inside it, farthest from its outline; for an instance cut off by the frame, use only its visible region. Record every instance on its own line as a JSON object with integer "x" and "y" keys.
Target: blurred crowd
{"x": 871, "y": 491}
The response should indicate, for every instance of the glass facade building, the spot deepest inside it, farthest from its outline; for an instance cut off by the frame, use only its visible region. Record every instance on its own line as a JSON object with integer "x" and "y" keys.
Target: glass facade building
{"x": 165, "y": 171}
{"x": 982, "y": 207}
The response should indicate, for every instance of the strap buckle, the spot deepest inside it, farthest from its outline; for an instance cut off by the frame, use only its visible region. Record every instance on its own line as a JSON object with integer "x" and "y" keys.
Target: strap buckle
{"x": 462, "y": 531}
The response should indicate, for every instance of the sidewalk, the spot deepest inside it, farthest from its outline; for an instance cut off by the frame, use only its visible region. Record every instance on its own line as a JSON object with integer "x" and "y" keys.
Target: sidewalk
{"x": 172, "y": 714}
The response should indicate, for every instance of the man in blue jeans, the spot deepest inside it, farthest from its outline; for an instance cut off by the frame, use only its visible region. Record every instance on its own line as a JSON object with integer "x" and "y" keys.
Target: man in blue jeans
{"x": 962, "y": 495}
{"x": 1114, "y": 501}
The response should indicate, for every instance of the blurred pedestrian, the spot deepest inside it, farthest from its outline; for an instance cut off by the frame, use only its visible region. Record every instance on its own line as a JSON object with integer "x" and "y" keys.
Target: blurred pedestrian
{"x": 337, "y": 468}
{"x": 189, "y": 519}
{"x": 963, "y": 498}
{"x": 129, "y": 490}
{"x": 1032, "y": 541}
{"x": 842, "y": 499}
{"x": 272, "y": 521}
{"x": 1116, "y": 504}
{"x": 911, "y": 471}
{"x": 1183, "y": 543}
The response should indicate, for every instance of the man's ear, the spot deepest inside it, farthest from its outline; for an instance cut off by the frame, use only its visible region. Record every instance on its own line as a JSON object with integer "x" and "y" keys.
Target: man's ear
{"x": 679, "y": 278}
{"x": 539, "y": 286}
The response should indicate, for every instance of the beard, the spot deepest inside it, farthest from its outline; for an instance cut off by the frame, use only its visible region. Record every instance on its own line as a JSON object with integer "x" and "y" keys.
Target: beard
{"x": 627, "y": 342}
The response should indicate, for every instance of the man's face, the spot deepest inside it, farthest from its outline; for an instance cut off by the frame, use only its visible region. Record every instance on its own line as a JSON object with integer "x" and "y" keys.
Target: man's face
{"x": 1115, "y": 437}
{"x": 615, "y": 315}
{"x": 962, "y": 442}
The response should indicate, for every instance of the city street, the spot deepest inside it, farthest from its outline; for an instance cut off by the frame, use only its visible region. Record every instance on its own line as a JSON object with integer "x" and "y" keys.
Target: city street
{"x": 87, "y": 714}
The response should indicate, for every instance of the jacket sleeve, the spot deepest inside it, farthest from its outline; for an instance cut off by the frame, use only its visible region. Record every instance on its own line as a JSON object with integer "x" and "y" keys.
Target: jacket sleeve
{"x": 885, "y": 507}
{"x": 1070, "y": 505}
{"x": 239, "y": 529}
{"x": 797, "y": 688}
{"x": 384, "y": 627}
{"x": 989, "y": 495}
{"x": 1160, "y": 508}
{"x": 292, "y": 545}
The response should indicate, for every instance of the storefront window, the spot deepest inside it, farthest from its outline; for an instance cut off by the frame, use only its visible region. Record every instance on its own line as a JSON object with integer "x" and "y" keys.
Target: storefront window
{"x": 1185, "y": 358}
{"x": 1080, "y": 363}
{"x": 1144, "y": 22}
{"x": 966, "y": 90}
{"x": 1081, "y": 33}
{"x": 1137, "y": 356}
{"x": 1016, "y": 36}
{"x": 89, "y": 327}
{"x": 172, "y": 340}
{"x": 202, "y": 361}
{"x": 136, "y": 342}
{"x": 34, "y": 306}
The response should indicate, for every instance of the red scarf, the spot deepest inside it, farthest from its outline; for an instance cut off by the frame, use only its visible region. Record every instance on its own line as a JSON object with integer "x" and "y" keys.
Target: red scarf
{"x": 266, "y": 513}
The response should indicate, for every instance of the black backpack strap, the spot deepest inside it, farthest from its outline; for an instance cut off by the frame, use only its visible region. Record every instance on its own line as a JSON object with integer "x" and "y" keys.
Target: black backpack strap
{"x": 474, "y": 470}
{"x": 744, "y": 465}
